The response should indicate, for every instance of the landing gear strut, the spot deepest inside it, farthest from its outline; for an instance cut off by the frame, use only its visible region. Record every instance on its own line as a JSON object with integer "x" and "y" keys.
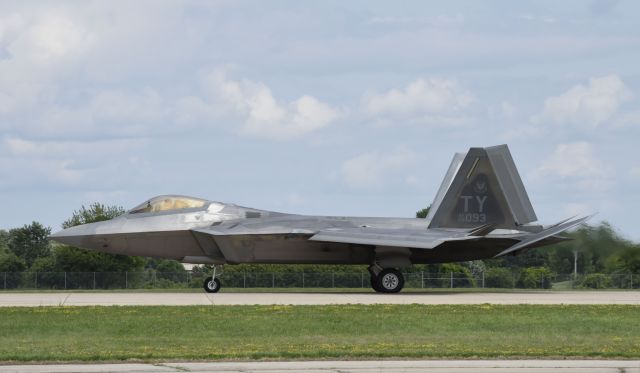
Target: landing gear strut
{"x": 387, "y": 280}
{"x": 212, "y": 284}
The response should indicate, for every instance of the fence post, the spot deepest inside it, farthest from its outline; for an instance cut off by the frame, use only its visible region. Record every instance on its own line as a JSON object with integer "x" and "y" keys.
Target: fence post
{"x": 126, "y": 279}
{"x": 5, "y": 281}
{"x": 303, "y": 279}
{"x": 513, "y": 281}
{"x": 333, "y": 284}
{"x": 154, "y": 279}
{"x": 451, "y": 273}
{"x": 273, "y": 280}
{"x": 65, "y": 280}
{"x": 94, "y": 281}
{"x": 542, "y": 281}
{"x": 362, "y": 280}
{"x": 244, "y": 279}
{"x": 36, "y": 280}
{"x": 422, "y": 279}
{"x": 483, "y": 279}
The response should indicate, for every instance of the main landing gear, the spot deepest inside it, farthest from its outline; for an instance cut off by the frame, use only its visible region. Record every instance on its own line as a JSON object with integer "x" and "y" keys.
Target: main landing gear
{"x": 212, "y": 284}
{"x": 387, "y": 280}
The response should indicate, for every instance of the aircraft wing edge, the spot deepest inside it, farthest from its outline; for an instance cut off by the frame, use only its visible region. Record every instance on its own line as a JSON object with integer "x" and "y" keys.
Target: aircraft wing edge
{"x": 551, "y": 231}
{"x": 386, "y": 238}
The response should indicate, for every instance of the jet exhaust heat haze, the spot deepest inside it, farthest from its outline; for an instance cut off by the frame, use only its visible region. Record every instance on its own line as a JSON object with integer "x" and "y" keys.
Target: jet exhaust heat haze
{"x": 481, "y": 211}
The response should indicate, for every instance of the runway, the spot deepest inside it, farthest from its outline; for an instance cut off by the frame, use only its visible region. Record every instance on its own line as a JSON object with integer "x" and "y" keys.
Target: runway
{"x": 433, "y": 366}
{"x": 10, "y": 299}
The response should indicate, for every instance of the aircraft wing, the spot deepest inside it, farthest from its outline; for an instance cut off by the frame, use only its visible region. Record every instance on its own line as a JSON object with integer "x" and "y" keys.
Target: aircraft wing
{"x": 347, "y": 233}
{"x": 414, "y": 238}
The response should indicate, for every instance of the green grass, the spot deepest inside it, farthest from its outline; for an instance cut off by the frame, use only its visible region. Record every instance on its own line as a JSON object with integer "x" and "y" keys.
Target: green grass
{"x": 318, "y": 332}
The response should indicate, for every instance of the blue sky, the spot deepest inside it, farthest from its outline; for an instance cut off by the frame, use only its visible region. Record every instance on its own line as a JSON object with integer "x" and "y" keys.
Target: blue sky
{"x": 334, "y": 107}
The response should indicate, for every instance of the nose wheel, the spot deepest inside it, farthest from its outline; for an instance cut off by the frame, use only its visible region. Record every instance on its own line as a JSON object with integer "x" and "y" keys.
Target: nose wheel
{"x": 212, "y": 284}
{"x": 389, "y": 280}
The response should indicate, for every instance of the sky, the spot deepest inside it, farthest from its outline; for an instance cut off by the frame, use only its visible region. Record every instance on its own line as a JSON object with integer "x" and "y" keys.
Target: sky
{"x": 329, "y": 108}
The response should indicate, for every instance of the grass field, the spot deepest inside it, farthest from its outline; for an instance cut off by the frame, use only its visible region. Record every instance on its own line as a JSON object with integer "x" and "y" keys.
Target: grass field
{"x": 312, "y": 332}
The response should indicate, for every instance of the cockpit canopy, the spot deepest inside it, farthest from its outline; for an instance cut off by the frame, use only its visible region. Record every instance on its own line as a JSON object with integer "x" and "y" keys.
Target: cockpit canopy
{"x": 168, "y": 203}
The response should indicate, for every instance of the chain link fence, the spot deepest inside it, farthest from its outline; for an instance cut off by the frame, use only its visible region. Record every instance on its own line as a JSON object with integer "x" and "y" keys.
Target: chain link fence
{"x": 185, "y": 280}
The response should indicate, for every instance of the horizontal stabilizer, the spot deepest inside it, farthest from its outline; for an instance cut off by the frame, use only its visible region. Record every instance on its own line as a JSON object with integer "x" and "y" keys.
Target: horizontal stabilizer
{"x": 552, "y": 231}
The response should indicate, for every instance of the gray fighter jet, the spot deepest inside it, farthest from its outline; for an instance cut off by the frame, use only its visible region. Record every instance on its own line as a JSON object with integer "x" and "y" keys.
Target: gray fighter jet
{"x": 480, "y": 211}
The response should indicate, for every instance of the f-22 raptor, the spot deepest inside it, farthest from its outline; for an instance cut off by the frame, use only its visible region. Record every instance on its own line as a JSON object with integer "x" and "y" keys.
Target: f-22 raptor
{"x": 480, "y": 211}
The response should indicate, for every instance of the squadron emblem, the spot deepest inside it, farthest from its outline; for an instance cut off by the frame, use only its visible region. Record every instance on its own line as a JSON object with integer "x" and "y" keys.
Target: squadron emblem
{"x": 480, "y": 186}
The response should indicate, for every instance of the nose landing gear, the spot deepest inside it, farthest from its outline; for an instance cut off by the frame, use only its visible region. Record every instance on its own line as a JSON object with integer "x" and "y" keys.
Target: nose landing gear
{"x": 212, "y": 284}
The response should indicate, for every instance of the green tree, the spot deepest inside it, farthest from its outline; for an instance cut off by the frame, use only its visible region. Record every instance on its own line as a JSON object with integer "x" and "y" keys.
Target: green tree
{"x": 598, "y": 248}
{"x": 94, "y": 213}
{"x": 423, "y": 213}
{"x": 596, "y": 281}
{"x": 30, "y": 242}
{"x": 10, "y": 262}
{"x": 73, "y": 259}
{"x": 4, "y": 241}
{"x": 535, "y": 278}
{"x": 498, "y": 278}
{"x": 626, "y": 261}
{"x": 44, "y": 264}
{"x": 165, "y": 265}
{"x": 168, "y": 271}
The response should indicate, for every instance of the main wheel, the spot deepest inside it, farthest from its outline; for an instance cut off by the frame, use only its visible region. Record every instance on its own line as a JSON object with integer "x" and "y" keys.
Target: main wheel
{"x": 390, "y": 280}
{"x": 212, "y": 285}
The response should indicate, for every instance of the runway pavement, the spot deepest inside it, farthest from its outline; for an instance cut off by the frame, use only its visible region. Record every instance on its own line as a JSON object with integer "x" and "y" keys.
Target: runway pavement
{"x": 8, "y": 299}
{"x": 433, "y": 366}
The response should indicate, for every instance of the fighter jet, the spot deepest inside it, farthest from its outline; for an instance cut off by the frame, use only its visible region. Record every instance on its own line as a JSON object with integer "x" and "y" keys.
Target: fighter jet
{"x": 480, "y": 211}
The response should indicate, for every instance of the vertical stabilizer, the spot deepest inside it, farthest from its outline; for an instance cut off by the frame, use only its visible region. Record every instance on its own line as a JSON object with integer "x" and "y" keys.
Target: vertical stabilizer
{"x": 486, "y": 189}
{"x": 446, "y": 183}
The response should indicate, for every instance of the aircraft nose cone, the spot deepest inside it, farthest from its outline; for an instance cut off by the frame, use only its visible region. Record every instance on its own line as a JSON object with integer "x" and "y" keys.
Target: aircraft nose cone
{"x": 73, "y": 236}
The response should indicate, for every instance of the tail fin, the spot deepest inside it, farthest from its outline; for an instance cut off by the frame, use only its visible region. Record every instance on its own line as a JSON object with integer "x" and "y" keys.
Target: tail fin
{"x": 486, "y": 189}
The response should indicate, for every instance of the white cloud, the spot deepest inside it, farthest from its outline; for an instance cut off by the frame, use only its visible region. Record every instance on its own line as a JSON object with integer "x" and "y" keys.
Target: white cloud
{"x": 124, "y": 113}
{"x": 508, "y": 110}
{"x": 40, "y": 46}
{"x": 576, "y": 161}
{"x": 19, "y": 147}
{"x": 592, "y": 105}
{"x": 573, "y": 209}
{"x": 422, "y": 96}
{"x": 108, "y": 113}
{"x": 375, "y": 169}
{"x": 263, "y": 115}
{"x": 572, "y": 160}
{"x": 295, "y": 199}
{"x": 27, "y": 163}
{"x": 440, "y": 21}
{"x": 50, "y": 37}
{"x": 627, "y": 119}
